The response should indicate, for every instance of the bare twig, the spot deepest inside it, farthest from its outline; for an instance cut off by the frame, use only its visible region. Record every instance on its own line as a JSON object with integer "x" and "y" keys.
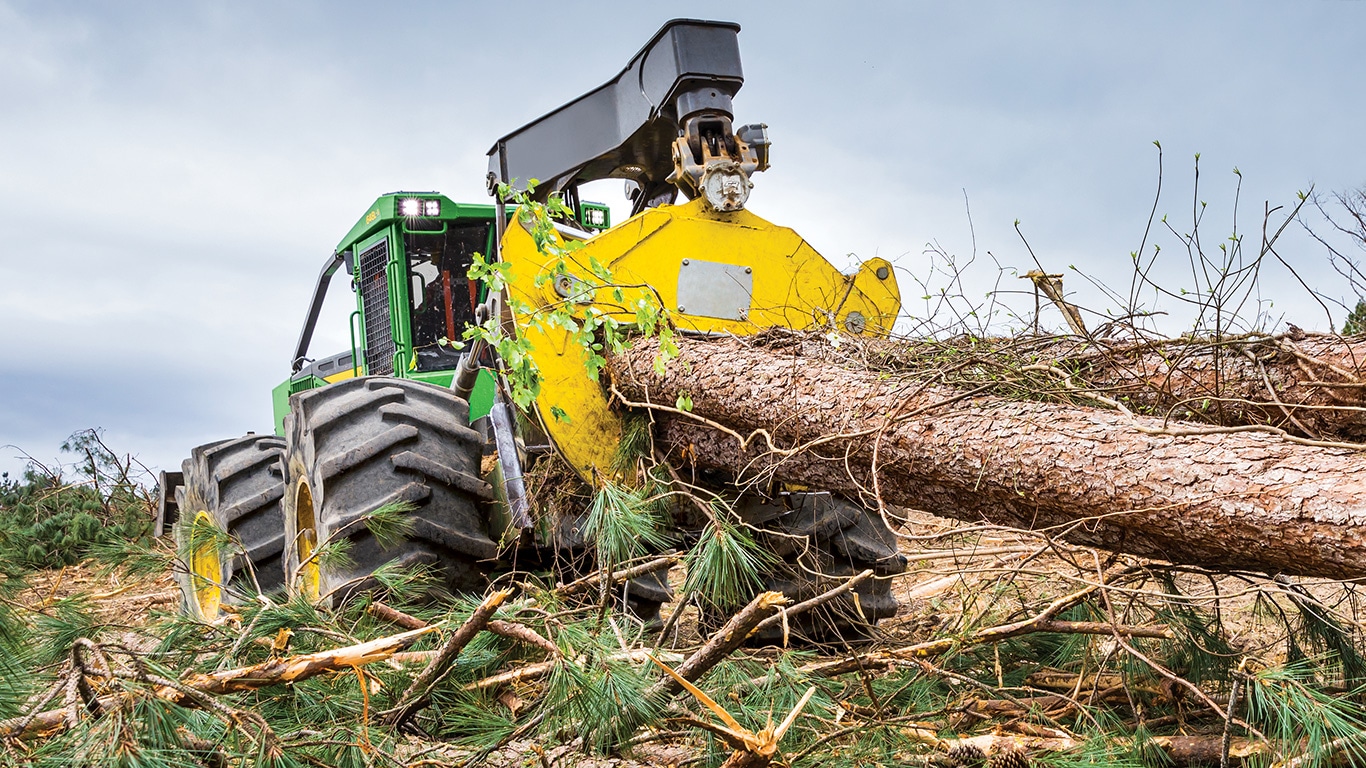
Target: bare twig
{"x": 721, "y": 644}
{"x": 626, "y": 574}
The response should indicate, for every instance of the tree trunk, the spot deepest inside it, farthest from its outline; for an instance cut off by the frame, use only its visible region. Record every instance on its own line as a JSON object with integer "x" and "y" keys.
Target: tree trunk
{"x": 1313, "y": 386}
{"x": 1094, "y": 477}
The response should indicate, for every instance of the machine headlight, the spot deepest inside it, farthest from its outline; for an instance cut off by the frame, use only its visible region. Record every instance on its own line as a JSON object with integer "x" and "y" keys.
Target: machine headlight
{"x": 431, "y": 207}
{"x": 725, "y": 187}
{"x": 410, "y": 207}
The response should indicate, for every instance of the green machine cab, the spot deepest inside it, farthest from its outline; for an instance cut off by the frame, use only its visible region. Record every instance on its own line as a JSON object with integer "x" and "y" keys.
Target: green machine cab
{"x": 408, "y": 257}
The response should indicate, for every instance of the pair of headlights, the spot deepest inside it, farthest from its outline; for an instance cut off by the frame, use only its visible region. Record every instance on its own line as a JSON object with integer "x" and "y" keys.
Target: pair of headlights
{"x": 412, "y": 207}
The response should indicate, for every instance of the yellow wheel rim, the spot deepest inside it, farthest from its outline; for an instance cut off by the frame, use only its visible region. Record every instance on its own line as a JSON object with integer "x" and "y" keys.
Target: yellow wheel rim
{"x": 206, "y": 566}
{"x": 310, "y": 577}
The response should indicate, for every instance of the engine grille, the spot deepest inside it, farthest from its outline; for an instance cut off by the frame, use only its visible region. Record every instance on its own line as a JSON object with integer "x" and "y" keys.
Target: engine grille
{"x": 374, "y": 296}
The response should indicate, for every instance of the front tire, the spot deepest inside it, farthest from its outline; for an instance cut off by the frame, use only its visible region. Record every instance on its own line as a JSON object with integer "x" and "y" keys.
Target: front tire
{"x": 364, "y": 443}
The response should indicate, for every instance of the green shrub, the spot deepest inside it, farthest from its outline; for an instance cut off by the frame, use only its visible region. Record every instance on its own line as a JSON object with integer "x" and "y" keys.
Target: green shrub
{"x": 47, "y": 521}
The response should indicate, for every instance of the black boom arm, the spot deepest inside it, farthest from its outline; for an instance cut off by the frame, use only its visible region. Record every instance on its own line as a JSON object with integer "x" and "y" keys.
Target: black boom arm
{"x": 680, "y": 84}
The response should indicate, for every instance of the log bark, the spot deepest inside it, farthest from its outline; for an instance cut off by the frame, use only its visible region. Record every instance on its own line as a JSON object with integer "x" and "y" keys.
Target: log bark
{"x": 1311, "y": 385}
{"x": 1093, "y": 477}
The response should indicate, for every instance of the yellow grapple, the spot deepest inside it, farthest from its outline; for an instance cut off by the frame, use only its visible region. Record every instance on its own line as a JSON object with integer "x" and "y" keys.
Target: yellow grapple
{"x": 731, "y": 273}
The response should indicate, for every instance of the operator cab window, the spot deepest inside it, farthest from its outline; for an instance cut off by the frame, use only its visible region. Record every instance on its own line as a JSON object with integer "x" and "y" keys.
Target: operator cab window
{"x": 443, "y": 298}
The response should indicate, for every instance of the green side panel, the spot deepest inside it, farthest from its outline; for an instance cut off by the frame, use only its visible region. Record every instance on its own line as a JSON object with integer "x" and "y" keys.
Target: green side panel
{"x": 279, "y": 402}
{"x": 279, "y": 397}
{"x": 481, "y": 399}
{"x": 384, "y": 295}
{"x": 439, "y": 378}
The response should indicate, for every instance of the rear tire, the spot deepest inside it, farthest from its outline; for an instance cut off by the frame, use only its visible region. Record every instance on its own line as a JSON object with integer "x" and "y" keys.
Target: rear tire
{"x": 233, "y": 488}
{"x": 822, "y": 541}
{"x": 573, "y": 556}
{"x": 360, "y": 444}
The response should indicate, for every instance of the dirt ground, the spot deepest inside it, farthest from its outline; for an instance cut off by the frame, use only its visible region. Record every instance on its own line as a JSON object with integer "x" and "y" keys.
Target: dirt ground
{"x": 118, "y": 599}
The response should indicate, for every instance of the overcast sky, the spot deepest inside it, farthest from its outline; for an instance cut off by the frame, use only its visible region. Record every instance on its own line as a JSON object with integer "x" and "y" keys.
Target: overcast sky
{"x": 173, "y": 175}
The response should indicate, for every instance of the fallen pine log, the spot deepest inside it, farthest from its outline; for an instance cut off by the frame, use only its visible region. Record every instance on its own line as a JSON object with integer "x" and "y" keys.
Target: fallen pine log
{"x": 1314, "y": 386}
{"x": 1094, "y": 477}
{"x": 1311, "y": 385}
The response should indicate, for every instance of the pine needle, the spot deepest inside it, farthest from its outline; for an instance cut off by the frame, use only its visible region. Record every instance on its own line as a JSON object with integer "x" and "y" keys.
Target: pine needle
{"x": 724, "y": 566}
{"x": 624, "y": 524}
{"x": 1283, "y": 702}
{"x": 391, "y": 524}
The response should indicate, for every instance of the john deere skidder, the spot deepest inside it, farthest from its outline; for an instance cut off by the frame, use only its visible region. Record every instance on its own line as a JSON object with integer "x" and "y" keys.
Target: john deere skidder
{"x": 410, "y": 414}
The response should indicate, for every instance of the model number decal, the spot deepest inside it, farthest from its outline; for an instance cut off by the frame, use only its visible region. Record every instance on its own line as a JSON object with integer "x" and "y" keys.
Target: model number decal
{"x": 371, "y": 216}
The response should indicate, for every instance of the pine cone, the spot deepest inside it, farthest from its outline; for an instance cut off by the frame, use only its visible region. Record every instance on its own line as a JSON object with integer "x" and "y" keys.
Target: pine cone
{"x": 1008, "y": 759}
{"x": 966, "y": 755}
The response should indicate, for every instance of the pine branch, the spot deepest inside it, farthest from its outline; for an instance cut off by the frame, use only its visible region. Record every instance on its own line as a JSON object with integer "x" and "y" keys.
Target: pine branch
{"x": 529, "y": 672}
{"x": 753, "y": 749}
{"x": 395, "y": 616}
{"x": 721, "y": 644}
{"x": 418, "y": 695}
{"x": 783, "y": 615}
{"x": 508, "y": 629}
{"x": 590, "y": 581}
{"x": 273, "y": 672}
{"x": 525, "y": 635}
{"x": 1044, "y": 621}
{"x": 296, "y": 668}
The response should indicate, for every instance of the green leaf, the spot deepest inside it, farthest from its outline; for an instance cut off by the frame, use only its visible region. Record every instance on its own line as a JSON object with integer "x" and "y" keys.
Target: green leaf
{"x": 603, "y": 273}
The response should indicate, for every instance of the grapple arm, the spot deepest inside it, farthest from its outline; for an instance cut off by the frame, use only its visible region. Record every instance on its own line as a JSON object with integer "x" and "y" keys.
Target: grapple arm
{"x": 674, "y": 95}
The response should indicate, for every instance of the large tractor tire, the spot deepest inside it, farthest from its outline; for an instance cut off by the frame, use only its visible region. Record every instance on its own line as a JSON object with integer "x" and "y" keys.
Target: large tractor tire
{"x": 231, "y": 530}
{"x": 364, "y": 443}
{"x": 821, "y": 541}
